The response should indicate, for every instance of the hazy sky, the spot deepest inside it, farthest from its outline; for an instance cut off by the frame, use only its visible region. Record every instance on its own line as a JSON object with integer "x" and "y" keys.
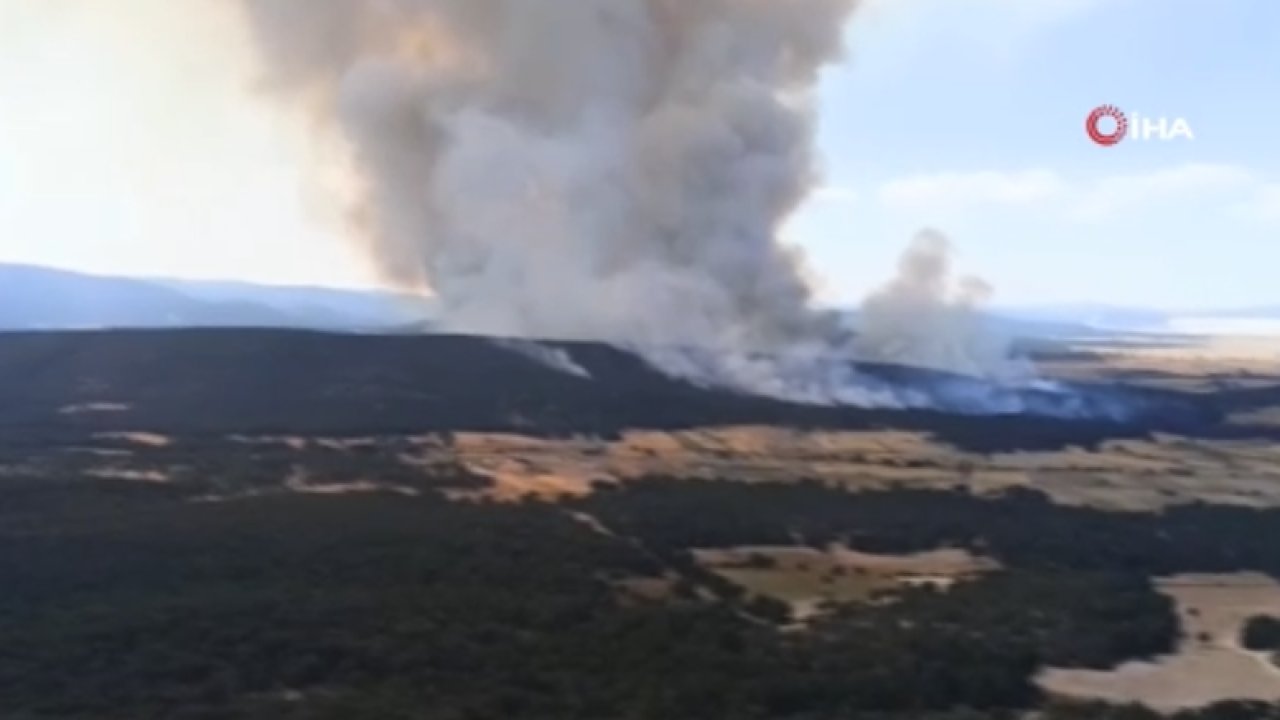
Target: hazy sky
{"x": 964, "y": 115}
{"x": 969, "y": 115}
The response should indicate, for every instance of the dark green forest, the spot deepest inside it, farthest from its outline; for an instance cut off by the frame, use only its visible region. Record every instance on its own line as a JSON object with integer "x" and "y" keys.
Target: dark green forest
{"x": 1022, "y": 528}
{"x": 1261, "y": 633}
{"x": 124, "y": 601}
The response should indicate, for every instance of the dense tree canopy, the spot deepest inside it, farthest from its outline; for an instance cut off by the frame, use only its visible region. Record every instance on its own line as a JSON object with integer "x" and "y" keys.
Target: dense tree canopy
{"x": 1261, "y": 633}
{"x": 124, "y": 601}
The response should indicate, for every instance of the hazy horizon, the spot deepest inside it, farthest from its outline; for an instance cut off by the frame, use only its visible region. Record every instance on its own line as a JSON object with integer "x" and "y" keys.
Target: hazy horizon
{"x": 1067, "y": 309}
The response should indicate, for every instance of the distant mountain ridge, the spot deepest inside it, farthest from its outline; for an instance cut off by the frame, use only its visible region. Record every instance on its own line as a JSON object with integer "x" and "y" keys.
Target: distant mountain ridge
{"x": 41, "y": 298}
{"x": 363, "y": 307}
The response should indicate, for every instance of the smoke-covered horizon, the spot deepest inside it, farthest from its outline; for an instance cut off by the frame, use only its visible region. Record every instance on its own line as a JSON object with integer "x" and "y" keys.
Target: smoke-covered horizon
{"x": 613, "y": 170}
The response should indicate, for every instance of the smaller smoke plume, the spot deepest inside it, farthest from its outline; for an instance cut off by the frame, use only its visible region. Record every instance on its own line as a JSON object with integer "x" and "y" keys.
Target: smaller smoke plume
{"x": 552, "y": 357}
{"x": 924, "y": 317}
{"x": 927, "y": 318}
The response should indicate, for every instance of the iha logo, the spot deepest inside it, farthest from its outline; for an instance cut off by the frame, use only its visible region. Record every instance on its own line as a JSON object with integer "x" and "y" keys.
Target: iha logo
{"x": 1108, "y": 125}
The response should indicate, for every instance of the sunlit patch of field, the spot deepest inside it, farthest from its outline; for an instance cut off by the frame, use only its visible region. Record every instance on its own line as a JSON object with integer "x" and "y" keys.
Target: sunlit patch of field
{"x": 127, "y": 474}
{"x": 348, "y": 488}
{"x": 87, "y": 408}
{"x": 144, "y": 439}
{"x": 1210, "y": 664}
{"x": 1145, "y": 474}
{"x": 747, "y": 454}
{"x": 1122, "y": 474}
{"x": 303, "y": 442}
{"x": 290, "y": 441}
{"x": 1119, "y": 474}
{"x": 300, "y": 482}
{"x": 517, "y": 486}
{"x": 648, "y": 589}
{"x": 808, "y": 579}
{"x": 100, "y": 452}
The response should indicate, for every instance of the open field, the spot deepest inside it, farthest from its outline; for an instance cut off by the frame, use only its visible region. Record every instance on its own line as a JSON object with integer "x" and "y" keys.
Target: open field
{"x": 1209, "y": 666}
{"x": 808, "y": 579}
{"x": 1144, "y": 473}
{"x": 1148, "y": 473}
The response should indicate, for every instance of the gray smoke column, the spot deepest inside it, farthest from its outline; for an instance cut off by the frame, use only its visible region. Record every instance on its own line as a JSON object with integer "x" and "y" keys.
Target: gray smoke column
{"x": 611, "y": 170}
{"x": 927, "y": 317}
{"x": 604, "y": 169}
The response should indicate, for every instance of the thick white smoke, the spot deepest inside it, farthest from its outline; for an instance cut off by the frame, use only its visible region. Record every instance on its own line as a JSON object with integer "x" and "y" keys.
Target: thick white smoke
{"x": 603, "y": 169}
{"x": 928, "y": 318}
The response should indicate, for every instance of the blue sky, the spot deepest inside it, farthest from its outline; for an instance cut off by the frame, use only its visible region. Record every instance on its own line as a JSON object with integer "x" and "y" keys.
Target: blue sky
{"x": 968, "y": 116}
{"x": 962, "y": 115}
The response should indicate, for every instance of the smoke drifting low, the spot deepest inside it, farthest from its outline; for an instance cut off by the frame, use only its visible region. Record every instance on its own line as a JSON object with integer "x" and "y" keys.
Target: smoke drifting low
{"x": 612, "y": 170}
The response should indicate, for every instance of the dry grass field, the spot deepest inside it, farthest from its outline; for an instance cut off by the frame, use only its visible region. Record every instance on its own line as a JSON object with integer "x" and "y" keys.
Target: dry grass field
{"x": 1122, "y": 474}
{"x": 806, "y": 578}
{"x": 1210, "y": 665}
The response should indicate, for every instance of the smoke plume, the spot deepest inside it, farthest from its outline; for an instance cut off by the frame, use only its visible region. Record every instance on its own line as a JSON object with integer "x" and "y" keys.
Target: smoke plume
{"x": 612, "y": 170}
{"x": 925, "y": 317}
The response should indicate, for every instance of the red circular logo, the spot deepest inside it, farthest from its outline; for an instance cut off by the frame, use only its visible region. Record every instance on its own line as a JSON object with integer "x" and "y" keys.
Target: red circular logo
{"x": 1095, "y": 119}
